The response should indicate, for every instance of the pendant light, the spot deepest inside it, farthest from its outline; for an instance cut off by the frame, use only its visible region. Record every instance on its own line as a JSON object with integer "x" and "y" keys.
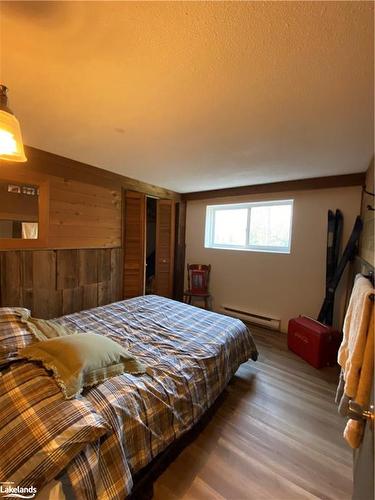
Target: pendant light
{"x": 11, "y": 146}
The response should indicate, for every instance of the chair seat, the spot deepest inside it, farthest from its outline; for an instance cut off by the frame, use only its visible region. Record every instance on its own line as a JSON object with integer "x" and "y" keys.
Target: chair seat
{"x": 196, "y": 294}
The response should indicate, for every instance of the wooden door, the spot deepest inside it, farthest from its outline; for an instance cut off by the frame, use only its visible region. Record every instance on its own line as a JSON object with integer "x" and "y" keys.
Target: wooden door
{"x": 134, "y": 224}
{"x": 165, "y": 228}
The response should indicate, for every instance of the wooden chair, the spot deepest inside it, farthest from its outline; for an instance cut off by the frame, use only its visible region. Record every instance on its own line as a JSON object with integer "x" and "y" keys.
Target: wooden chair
{"x": 198, "y": 279}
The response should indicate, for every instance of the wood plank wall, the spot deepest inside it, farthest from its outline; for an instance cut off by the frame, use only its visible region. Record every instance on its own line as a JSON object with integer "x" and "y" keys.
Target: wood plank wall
{"x": 80, "y": 214}
{"x": 84, "y": 201}
{"x": 55, "y": 282}
{"x": 81, "y": 264}
{"x": 83, "y": 215}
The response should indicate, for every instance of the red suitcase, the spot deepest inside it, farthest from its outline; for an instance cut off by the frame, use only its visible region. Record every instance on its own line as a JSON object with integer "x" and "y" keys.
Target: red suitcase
{"x": 314, "y": 342}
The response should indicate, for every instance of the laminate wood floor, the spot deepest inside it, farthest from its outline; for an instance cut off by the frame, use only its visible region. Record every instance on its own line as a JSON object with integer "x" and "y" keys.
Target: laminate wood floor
{"x": 276, "y": 435}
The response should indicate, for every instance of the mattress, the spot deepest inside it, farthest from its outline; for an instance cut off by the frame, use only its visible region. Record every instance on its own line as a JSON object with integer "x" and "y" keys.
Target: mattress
{"x": 190, "y": 354}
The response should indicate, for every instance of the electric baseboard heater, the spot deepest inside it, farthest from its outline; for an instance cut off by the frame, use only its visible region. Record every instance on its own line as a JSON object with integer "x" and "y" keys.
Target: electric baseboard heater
{"x": 253, "y": 318}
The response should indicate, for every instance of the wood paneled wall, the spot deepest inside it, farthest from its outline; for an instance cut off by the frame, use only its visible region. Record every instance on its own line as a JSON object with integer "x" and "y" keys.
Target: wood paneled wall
{"x": 83, "y": 215}
{"x": 56, "y": 282}
{"x": 84, "y": 201}
{"x": 46, "y": 163}
{"x": 79, "y": 264}
{"x": 78, "y": 214}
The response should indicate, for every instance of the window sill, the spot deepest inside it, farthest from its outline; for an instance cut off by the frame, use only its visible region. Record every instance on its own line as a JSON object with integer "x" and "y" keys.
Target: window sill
{"x": 256, "y": 250}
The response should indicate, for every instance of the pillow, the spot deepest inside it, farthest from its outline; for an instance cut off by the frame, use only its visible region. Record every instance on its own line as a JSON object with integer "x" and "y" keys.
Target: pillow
{"x": 40, "y": 431}
{"x": 14, "y": 334}
{"x": 82, "y": 360}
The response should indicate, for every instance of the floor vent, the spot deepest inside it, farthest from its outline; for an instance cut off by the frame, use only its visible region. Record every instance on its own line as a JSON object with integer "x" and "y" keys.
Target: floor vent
{"x": 255, "y": 319}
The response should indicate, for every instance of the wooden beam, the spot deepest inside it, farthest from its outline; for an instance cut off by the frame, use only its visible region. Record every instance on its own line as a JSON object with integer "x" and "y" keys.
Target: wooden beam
{"x": 51, "y": 164}
{"x": 278, "y": 187}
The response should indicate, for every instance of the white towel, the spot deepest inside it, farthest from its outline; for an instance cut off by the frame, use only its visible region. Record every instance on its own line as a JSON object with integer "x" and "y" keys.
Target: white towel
{"x": 356, "y": 324}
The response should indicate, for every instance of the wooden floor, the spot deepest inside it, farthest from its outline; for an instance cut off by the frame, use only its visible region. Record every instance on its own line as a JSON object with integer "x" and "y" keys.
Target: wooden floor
{"x": 277, "y": 435}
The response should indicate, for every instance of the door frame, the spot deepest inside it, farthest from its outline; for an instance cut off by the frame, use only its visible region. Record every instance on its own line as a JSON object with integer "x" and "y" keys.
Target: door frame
{"x": 177, "y": 248}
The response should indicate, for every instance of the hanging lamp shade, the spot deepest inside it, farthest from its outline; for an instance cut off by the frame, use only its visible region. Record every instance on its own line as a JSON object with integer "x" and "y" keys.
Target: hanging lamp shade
{"x": 11, "y": 145}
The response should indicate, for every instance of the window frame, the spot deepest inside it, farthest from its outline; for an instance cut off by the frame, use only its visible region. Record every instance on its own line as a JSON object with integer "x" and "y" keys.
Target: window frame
{"x": 211, "y": 219}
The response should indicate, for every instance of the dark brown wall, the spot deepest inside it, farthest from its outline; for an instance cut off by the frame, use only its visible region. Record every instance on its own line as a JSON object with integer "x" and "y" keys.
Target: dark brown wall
{"x": 56, "y": 282}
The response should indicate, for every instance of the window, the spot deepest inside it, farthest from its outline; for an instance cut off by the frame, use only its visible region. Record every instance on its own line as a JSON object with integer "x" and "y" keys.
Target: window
{"x": 262, "y": 227}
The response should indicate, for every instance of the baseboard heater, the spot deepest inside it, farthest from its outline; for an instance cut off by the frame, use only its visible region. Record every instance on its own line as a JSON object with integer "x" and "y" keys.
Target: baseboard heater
{"x": 249, "y": 317}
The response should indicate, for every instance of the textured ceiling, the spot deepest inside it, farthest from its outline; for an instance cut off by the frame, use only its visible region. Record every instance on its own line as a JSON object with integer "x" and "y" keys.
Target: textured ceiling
{"x": 195, "y": 95}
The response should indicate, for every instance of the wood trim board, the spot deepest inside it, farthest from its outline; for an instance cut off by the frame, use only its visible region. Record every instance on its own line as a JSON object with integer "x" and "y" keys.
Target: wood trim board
{"x": 46, "y": 163}
{"x": 278, "y": 187}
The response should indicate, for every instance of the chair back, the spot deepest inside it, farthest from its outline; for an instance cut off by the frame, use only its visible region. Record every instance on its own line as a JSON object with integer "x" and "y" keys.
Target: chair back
{"x": 198, "y": 278}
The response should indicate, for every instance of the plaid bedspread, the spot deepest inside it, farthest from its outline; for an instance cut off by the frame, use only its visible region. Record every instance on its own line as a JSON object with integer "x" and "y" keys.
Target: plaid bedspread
{"x": 40, "y": 431}
{"x": 190, "y": 353}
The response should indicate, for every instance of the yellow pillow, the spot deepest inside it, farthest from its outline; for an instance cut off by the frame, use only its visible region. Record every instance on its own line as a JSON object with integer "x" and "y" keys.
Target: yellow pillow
{"x": 82, "y": 360}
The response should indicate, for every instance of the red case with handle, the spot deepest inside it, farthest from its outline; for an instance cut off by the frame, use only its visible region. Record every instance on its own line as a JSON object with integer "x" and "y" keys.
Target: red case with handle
{"x": 314, "y": 342}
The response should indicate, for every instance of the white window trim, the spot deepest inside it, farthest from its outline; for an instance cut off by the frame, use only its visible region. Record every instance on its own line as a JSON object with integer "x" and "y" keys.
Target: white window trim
{"x": 210, "y": 227}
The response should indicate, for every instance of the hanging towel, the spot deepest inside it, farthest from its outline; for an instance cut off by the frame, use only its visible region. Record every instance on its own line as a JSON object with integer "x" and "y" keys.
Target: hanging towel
{"x": 29, "y": 230}
{"x": 356, "y": 357}
{"x": 354, "y": 428}
{"x": 352, "y": 349}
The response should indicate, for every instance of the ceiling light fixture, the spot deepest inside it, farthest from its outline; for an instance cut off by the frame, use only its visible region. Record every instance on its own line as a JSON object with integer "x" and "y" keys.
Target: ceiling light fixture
{"x": 11, "y": 145}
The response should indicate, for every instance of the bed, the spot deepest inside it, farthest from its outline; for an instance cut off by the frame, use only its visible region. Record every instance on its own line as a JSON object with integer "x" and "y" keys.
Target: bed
{"x": 190, "y": 354}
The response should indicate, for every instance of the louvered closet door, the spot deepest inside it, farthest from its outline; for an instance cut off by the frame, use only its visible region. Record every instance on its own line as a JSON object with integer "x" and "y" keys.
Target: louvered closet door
{"x": 134, "y": 244}
{"x": 165, "y": 229}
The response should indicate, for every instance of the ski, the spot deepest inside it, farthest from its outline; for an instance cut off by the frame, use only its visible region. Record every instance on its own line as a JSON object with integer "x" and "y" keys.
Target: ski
{"x": 330, "y": 268}
{"x": 326, "y": 311}
{"x": 339, "y": 222}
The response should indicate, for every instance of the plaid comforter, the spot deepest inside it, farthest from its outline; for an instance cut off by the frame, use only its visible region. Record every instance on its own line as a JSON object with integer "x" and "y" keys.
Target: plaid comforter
{"x": 191, "y": 354}
{"x": 40, "y": 431}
